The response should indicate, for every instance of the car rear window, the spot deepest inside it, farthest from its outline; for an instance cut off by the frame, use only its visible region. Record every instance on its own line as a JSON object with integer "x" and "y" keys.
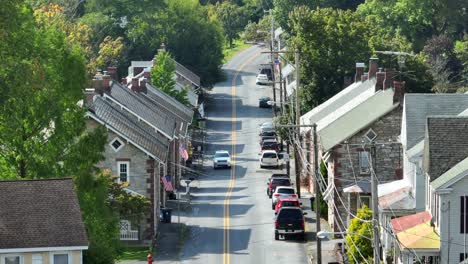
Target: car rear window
{"x": 286, "y": 190}
{"x": 221, "y": 155}
{"x": 270, "y": 155}
{"x": 269, "y": 144}
{"x": 290, "y": 213}
{"x": 290, "y": 203}
{"x": 284, "y": 182}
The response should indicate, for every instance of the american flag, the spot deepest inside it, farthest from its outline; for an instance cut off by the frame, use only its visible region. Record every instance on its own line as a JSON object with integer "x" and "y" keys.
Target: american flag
{"x": 167, "y": 183}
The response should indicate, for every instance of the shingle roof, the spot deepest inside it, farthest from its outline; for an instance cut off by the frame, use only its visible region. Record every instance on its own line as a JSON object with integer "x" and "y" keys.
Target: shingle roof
{"x": 191, "y": 95}
{"x": 40, "y": 213}
{"x": 169, "y": 103}
{"x": 158, "y": 118}
{"x": 396, "y": 195}
{"x": 446, "y": 144}
{"x": 128, "y": 125}
{"x": 418, "y": 106}
{"x": 459, "y": 170}
{"x": 187, "y": 74}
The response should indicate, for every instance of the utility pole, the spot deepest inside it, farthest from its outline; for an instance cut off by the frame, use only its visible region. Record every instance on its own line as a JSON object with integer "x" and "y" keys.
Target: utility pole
{"x": 288, "y": 165}
{"x": 375, "y": 211}
{"x": 317, "y": 200}
{"x": 298, "y": 131}
{"x": 272, "y": 56}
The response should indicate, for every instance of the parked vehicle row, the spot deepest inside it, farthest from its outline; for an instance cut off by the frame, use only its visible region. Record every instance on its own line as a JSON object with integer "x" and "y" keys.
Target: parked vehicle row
{"x": 270, "y": 155}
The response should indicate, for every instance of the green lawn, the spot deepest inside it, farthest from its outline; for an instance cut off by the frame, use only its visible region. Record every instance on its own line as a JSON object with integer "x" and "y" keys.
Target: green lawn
{"x": 237, "y": 47}
{"x": 133, "y": 253}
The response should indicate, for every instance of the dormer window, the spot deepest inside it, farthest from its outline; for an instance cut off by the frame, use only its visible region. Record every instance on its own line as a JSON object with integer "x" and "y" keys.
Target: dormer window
{"x": 116, "y": 144}
{"x": 370, "y": 135}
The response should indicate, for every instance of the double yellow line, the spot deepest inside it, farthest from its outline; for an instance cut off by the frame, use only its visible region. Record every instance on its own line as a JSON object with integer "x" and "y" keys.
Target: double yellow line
{"x": 232, "y": 180}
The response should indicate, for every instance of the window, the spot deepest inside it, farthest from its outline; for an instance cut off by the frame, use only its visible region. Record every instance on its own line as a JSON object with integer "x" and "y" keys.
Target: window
{"x": 12, "y": 260}
{"x": 116, "y": 144}
{"x": 364, "y": 164}
{"x": 60, "y": 258}
{"x": 463, "y": 256}
{"x": 364, "y": 200}
{"x": 123, "y": 171}
{"x": 464, "y": 214}
{"x": 370, "y": 135}
{"x": 36, "y": 259}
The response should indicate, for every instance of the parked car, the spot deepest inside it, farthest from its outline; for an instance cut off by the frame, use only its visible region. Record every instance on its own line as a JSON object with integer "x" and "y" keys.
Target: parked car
{"x": 287, "y": 202}
{"x": 282, "y": 192}
{"x": 263, "y": 102}
{"x": 262, "y": 79}
{"x": 283, "y": 158}
{"x": 268, "y": 133}
{"x": 268, "y": 71}
{"x": 221, "y": 159}
{"x": 263, "y": 138}
{"x": 290, "y": 221}
{"x": 275, "y": 182}
{"x": 270, "y": 145}
{"x": 269, "y": 158}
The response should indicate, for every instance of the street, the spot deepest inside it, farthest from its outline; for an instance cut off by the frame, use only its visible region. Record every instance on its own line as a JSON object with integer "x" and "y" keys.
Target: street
{"x": 231, "y": 220}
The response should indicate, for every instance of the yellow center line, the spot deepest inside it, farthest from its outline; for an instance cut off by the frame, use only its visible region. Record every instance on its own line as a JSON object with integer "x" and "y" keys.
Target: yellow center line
{"x": 232, "y": 180}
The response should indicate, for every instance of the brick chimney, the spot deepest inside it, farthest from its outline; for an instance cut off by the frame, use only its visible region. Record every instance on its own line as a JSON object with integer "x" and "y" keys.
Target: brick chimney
{"x": 98, "y": 83}
{"x": 380, "y": 78}
{"x": 124, "y": 81}
{"x": 389, "y": 76}
{"x": 399, "y": 94}
{"x": 365, "y": 77}
{"x": 135, "y": 85}
{"x": 106, "y": 82}
{"x": 359, "y": 71}
{"x": 112, "y": 71}
{"x": 373, "y": 67}
{"x": 143, "y": 85}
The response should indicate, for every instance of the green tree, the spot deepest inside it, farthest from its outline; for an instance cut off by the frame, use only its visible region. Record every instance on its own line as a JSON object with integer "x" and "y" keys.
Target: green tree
{"x": 324, "y": 37}
{"x": 162, "y": 77}
{"x": 232, "y": 18}
{"x": 461, "y": 51}
{"x": 359, "y": 237}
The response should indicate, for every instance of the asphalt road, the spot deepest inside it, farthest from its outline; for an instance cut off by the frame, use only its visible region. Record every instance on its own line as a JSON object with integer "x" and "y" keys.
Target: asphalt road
{"x": 231, "y": 220}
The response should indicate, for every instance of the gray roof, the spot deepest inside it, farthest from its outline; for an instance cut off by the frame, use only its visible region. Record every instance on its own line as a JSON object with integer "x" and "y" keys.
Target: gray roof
{"x": 170, "y": 103}
{"x": 187, "y": 74}
{"x": 418, "y": 106}
{"x": 446, "y": 144}
{"x": 40, "y": 213}
{"x": 128, "y": 126}
{"x": 451, "y": 176}
{"x": 156, "y": 117}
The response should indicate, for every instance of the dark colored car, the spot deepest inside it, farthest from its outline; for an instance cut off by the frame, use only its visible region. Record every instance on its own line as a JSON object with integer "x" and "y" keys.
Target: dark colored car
{"x": 263, "y": 102}
{"x": 290, "y": 221}
{"x": 275, "y": 182}
{"x": 270, "y": 133}
{"x": 270, "y": 145}
{"x": 266, "y": 138}
{"x": 268, "y": 71}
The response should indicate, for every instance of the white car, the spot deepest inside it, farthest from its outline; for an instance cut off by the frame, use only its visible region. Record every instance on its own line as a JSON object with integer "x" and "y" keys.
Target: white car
{"x": 221, "y": 159}
{"x": 283, "y": 192}
{"x": 262, "y": 79}
{"x": 269, "y": 158}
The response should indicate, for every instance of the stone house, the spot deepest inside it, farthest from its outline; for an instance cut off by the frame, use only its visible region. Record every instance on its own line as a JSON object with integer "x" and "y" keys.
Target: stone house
{"x": 145, "y": 129}
{"x": 40, "y": 222}
{"x": 439, "y": 236}
{"x": 357, "y": 132}
{"x": 408, "y": 196}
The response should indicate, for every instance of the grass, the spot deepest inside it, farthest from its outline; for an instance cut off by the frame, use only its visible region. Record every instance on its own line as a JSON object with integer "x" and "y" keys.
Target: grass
{"x": 133, "y": 253}
{"x": 237, "y": 46}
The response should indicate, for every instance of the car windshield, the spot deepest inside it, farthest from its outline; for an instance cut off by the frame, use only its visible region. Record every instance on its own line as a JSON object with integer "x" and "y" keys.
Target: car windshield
{"x": 286, "y": 190}
{"x": 270, "y": 155}
{"x": 290, "y": 213}
{"x": 268, "y": 133}
{"x": 222, "y": 155}
{"x": 284, "y": 182}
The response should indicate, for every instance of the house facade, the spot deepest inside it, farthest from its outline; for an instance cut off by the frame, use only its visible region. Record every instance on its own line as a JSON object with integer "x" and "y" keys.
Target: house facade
{"x": 41, "y": 223}
{"x": 408, "y": 196}
{"x": 357, "y": 133}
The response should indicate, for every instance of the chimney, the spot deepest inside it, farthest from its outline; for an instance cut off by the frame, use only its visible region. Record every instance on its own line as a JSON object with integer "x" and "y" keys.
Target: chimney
{"x": 135, "y": 85}
{"x": 389, "y": 75}
{"x": 399, "y": 94}
{"x": 89, "y": 97}
{"x": 146, "y": 73}
{"x": 372, "y": 67}
{"x": 359, "y": 71}
{"x": 124, "y": 81}
{"x": 143, "y": 85}
{"x": 113, "y": 72}
{"x": 106, "y": 79}
{"x": 379, "y": 80}
{"x": 365, "y": 77}
{"x": 98, "y": 82}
